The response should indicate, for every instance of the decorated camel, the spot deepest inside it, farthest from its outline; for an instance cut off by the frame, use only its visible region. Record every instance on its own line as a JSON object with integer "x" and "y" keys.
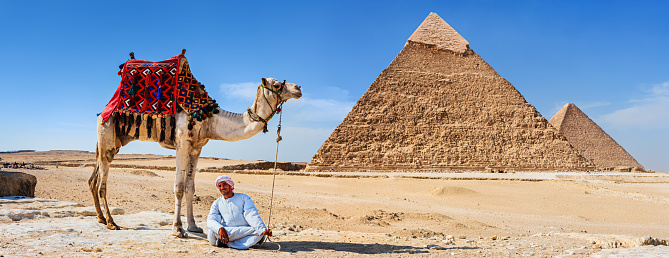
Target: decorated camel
{"x": 164, "y": 98}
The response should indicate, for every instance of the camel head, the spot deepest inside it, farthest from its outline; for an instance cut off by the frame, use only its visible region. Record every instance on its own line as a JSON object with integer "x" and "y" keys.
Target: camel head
{"x": 274, "y": 93}
{"x": 288, "y": 90}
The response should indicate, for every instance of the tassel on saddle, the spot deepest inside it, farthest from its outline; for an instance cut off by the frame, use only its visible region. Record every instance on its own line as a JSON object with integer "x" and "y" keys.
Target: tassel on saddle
{"x": 129, "y": 120}
{"x": 119, "y": 120}
{"x": 149, "y": 125}
{"x": 173, "y": 125}
{"x": 162, "y": 129}
{"x": 134, "y": 87}
{"x": 138, "y": 123}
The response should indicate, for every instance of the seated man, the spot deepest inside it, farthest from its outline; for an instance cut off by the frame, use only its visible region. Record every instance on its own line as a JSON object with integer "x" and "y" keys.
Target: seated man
{"x": 233, "y": 219}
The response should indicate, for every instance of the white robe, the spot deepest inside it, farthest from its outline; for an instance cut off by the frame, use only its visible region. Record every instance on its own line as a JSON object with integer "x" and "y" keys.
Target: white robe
{"x": 240, "y": 218}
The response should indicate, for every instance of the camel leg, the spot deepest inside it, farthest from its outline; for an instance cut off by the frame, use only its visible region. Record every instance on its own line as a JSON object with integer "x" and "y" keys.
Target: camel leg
{"x": 104, "y": 169}
{"x": 183, "y": 160}
{"x": 94, "y": 184}
{"x": 190, "y": 189}
{"x": 105, "y": 152}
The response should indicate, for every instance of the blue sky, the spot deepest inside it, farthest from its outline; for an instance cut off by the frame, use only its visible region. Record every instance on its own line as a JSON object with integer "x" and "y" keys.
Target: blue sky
{"x": 61, "y": 58}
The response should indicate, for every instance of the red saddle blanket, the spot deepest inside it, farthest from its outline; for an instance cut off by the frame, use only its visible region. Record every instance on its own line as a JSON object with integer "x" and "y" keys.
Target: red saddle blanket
{"x": 157, "y": 88}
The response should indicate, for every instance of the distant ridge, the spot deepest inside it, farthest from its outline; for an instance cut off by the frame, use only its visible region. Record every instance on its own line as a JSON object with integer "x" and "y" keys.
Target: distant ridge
{"x": 17, "y": 151}
{"x": 440, "y": 106}
{"x": 591, "y": 141}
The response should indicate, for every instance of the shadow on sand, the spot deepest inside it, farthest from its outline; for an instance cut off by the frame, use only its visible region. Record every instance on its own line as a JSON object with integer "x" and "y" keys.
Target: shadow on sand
{"x": 311, "y": 246}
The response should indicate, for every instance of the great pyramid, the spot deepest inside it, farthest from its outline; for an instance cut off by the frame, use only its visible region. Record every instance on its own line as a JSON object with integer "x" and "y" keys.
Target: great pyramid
{"x": 591, "y": 141}
{"x": 440, "y": 106}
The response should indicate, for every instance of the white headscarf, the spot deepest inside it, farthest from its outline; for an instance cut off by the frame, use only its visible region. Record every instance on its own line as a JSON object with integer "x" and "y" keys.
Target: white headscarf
{"x": 227, "y": 179}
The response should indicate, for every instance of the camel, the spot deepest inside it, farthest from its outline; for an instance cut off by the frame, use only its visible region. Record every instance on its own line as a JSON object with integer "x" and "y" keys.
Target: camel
{"x": 188, "y": 143}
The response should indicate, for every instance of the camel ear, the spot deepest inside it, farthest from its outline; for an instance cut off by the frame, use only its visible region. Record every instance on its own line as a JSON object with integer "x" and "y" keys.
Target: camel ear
{"x": 264, "y": 82}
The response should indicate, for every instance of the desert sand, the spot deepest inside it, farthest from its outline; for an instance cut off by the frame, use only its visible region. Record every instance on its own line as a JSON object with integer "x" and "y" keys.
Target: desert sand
{"x": 473, "y": 214}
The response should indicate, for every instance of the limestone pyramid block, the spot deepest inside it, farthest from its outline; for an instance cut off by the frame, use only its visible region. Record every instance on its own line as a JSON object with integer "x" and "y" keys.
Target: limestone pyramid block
{"x": 591, "y": 141}
{"x": 440, "y": 106}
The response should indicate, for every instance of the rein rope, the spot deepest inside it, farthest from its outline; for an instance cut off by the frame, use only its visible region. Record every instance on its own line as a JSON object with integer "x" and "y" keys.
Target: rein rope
{"x": 276, "y": 156}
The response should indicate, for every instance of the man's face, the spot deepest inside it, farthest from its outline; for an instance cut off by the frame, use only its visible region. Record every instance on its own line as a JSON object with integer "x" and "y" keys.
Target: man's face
{"x": 224, "y": 188}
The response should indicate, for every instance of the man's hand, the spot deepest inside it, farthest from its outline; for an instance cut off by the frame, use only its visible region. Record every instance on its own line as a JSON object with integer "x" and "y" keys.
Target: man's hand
{"x": 224, "y": 236}
{"x": 267, "y": 232}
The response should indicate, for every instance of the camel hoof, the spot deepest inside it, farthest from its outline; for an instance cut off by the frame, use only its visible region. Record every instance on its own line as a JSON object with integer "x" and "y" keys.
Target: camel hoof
{"x": 179, "y": 233}
{"x": 113, "y": 226}
{"x": 195, "y": 229}
{"x": 102, "y": 220}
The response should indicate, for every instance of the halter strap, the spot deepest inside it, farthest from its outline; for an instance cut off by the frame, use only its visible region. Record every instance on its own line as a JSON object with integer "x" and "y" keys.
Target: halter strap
{"x": 256, "y": 118}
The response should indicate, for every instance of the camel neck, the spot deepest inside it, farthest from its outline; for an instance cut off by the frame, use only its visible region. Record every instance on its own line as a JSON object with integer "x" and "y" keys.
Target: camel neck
{"x": 230, "y": 126}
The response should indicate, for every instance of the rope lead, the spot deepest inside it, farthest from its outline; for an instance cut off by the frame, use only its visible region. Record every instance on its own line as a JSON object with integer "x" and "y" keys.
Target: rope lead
{"x": 276, "y": 157}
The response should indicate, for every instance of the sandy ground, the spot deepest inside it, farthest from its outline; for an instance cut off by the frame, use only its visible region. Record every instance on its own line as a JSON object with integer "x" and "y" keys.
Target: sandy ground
{"x": 353, "y": 214}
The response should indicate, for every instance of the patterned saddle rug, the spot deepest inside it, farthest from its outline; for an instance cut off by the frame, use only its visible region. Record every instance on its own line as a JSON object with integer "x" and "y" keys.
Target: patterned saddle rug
{"x": 157, "y": 90}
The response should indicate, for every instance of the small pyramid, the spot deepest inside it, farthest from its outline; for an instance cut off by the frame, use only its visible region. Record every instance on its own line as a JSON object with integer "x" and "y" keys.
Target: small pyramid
{"x": 591, "y": 141}
{"x": 440, "y": 106}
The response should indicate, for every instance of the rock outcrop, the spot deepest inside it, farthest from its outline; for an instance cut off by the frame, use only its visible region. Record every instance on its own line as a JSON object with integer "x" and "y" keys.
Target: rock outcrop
{"x": 440, "y": 106}
{"x": 592, "y": 142}
{"x": 17, "y": 184}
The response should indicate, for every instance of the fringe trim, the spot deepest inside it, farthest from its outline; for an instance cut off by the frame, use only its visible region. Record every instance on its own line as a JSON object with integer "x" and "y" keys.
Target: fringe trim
{"x": 149, "y": 125}
{"x": 173, "y": 124}
{"x": 129, "y": 121}
{"x": 162, "y": 129}
{"x": 121, "y": 119}
{"x": 117, "y": 130}
{"x": 138, "y": 123}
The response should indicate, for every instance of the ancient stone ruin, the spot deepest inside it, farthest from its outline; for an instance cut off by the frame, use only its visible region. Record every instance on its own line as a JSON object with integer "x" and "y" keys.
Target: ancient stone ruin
{"x": 440, "y": 106}
{"x": 592, "y": 142}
